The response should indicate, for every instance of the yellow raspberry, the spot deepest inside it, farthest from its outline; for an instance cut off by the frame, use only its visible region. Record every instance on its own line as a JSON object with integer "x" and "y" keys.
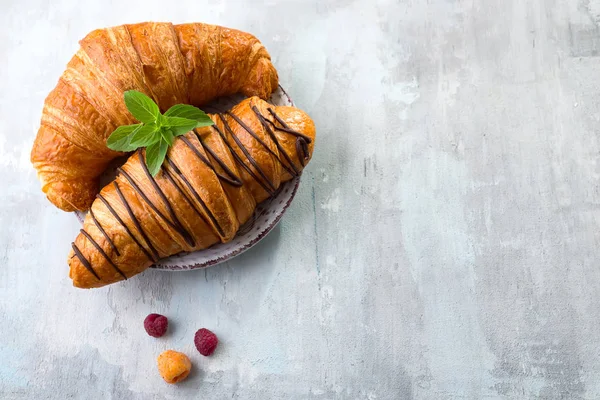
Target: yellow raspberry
{"x": 173, "y": 366}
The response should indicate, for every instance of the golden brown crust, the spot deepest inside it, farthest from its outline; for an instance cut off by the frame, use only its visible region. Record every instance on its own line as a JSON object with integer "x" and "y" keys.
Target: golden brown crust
{"x": 188, "y": 63}
{"x": 230, "y": 205}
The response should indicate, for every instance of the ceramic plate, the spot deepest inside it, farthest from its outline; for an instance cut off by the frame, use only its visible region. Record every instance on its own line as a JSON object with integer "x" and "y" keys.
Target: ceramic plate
{"x": 265, "y": 217}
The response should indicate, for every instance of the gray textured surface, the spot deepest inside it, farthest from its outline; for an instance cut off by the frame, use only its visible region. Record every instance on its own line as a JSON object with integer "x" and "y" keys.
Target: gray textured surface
{"x": 443, "y": 245}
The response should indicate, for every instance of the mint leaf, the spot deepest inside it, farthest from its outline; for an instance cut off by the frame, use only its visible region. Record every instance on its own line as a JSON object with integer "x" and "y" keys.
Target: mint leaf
{"x": 187, "y": 111}
{"x": 145, "y": 136}
{"x": 157, "y": 131}
{"x": 119, "y": 140}
{"x": 141, "y": 106}
{"x": 161, "y": 120}
{"x": 155, "y": 155}
{"x": 167, "y": 135}
{"x": 205, "y": 122}
{"x": 180, "y": 126}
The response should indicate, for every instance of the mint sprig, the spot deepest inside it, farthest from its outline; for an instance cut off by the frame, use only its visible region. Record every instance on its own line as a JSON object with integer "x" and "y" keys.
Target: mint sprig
{"x": 157, "y": 131}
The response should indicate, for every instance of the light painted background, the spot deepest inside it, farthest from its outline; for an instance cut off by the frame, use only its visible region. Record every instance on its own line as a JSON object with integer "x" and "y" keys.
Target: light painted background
{"x": 444, "y": 243}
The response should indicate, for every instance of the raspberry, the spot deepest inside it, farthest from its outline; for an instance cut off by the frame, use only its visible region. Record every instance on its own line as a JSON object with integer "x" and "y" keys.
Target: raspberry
{"x": 156, "y": 325}
{"x": 205, "y": 341}
{"x": 173, "y": 366}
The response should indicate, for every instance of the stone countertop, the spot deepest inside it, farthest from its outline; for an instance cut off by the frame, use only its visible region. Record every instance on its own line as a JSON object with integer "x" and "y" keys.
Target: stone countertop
{"x": 444, "y": 243}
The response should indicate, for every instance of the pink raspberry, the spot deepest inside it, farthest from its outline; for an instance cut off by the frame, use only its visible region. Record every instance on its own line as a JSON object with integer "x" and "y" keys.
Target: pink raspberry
{"x": 156, "y": 325}
{"x": 205, "y": 341}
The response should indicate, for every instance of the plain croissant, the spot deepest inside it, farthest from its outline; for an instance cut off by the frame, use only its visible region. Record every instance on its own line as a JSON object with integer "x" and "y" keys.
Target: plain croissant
{"x": 208, "y": 186}
{"x": 188, "y": 63}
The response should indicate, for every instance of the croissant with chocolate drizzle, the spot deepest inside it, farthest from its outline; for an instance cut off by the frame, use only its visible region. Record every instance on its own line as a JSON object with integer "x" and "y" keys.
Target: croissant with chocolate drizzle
{"x": 209, "y": 185}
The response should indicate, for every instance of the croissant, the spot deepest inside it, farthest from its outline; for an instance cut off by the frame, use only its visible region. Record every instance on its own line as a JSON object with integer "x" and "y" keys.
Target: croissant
{"x": 188, "y": 63}
{"x": 208, "y": 186}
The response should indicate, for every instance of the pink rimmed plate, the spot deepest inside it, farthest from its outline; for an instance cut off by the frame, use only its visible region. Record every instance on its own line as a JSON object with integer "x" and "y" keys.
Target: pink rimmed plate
{"x": 265, "y": 217}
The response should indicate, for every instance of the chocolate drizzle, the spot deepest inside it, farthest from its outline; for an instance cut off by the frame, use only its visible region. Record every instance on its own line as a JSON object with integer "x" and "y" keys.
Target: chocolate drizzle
{"x": 212, "y": 217}
{"x": 114, "y": 213}
{"x": 267, "y": 184}
{"x": 84, "y": 260}
{"x": 232, "y": 179}
{"x": 136, "y": 222}
{"x": 302, "y": 140}
{"x": 163, "y": 197}
{"x": 97, "y": 246}
{"x": 294, "y": 172}
{"x": 285, "y": 127}
{"x": 101, "y": 229}
{"x": 228, "y": 176}
{"x": 175, "y": 224}
{"x": 238, "y": 180}
{"x": 302, "y": 151}
{"x": 182, "y": 192}
{"x": 259, "y": 140}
